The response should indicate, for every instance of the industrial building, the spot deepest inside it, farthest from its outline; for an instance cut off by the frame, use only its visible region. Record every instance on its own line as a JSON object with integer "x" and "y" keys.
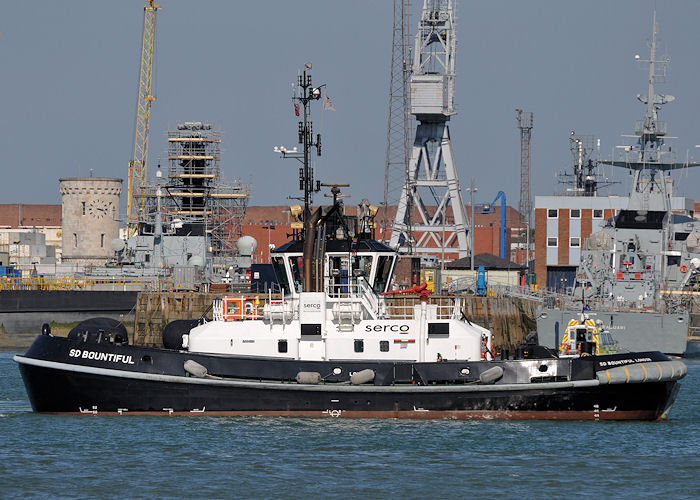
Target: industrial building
{"x": 563, "y": 223}
{"x": 29, "y": 234}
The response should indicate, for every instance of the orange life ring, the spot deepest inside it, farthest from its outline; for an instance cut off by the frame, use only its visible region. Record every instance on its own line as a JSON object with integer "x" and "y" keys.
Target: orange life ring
{"x": 684, "y": 268}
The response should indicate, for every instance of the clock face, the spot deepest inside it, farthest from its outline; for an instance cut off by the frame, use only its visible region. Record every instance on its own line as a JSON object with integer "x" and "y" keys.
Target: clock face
{"x": 100, "y": 209}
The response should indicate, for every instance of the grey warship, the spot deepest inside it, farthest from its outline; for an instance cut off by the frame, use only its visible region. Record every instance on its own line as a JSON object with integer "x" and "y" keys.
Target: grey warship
{"x": 640, "y": 273}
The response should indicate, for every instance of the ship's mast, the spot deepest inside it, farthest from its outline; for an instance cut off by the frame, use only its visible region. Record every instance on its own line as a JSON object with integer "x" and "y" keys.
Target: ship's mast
{"x": 650, "y": 158}
{"x": 304, "y": 94}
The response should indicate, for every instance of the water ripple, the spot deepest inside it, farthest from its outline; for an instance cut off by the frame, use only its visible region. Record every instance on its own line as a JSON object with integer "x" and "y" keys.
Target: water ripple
{"x": 255, "y": 457}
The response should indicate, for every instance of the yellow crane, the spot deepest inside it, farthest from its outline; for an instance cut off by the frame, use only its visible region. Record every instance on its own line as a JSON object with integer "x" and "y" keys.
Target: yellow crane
{"x": 137, "y": 166}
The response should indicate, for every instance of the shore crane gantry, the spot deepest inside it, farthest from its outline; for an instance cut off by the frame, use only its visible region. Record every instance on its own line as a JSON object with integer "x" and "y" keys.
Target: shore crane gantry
{"x": 432, "y": 183}
{"x": 137, "y": 166}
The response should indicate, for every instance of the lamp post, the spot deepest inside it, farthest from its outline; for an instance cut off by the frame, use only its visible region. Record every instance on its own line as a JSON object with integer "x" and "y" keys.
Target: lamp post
{"x": 268, "y": 227}
{"x": 471, "y": 191}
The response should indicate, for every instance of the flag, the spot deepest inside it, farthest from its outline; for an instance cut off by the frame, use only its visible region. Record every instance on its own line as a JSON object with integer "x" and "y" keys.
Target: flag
{"x": 296, "y": 109}
{"x": 327, "y": 103}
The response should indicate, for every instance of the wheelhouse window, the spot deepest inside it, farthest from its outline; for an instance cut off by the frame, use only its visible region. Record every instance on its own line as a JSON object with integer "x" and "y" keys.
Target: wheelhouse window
{"x": 552, "y": 242}
{"x": 383, "y": 273}
{"x": 297, "y": 265}
{"x": 575, "y": 213}
{"x": 362, "y": 266}
{"x": 552, "y": 213}
{"x": 575, "y": 242}
{"x": 597, "y": 213}
{"x": 281, "y": 273}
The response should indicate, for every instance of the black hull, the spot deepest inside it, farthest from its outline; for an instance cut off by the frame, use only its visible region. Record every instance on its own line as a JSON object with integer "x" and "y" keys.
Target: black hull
{"x": 159, "y": 386}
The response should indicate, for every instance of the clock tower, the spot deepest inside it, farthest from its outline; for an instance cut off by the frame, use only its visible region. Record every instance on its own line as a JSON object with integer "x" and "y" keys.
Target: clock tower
{"x": 90, "y": 207}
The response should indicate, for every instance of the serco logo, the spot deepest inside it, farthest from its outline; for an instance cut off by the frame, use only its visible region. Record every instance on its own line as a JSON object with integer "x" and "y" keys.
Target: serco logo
{"x": 312, "y": 305}
{"x": 388, "y": 328}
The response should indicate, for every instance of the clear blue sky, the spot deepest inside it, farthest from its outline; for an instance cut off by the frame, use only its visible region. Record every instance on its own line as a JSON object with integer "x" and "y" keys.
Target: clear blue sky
{"x": 69, "y": 83}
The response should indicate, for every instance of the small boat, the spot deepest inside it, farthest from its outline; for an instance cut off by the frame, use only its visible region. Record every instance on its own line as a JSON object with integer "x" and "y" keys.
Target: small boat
{"x": 585, "y": 337}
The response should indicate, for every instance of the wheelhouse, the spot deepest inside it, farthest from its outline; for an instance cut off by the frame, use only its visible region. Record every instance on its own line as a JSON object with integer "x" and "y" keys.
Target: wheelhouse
{"x": 343, "y": 262}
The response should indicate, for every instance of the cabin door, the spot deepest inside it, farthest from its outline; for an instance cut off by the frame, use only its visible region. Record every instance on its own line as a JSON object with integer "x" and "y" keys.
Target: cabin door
{"x": 312, "y": 349}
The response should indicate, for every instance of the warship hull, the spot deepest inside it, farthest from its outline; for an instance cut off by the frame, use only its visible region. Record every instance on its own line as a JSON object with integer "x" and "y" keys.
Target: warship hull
{"x": 635, "y": 331}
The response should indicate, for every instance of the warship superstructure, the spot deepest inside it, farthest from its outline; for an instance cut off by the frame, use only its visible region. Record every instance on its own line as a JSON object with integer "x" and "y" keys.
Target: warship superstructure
{"x": 639, "y": 273}
{"x": 192, "y": 217}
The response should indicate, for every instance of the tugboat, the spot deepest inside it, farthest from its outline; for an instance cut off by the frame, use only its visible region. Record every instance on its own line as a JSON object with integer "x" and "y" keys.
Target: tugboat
{"x": 333, "y": 344}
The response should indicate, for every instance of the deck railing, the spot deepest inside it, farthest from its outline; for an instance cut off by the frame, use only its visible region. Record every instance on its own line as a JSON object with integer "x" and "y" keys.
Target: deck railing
{"x": 88, "y": 284}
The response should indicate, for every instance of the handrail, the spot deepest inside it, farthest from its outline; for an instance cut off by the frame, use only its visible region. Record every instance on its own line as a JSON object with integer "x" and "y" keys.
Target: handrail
{"x": 86, "y": 284}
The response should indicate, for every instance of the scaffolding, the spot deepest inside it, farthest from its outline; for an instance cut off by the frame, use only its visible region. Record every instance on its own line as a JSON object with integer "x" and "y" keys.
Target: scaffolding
{"x": 195, "y": 200}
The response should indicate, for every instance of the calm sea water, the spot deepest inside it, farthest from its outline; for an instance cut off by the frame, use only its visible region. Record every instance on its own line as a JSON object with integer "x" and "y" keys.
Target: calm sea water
{"x": 253, "y": 457}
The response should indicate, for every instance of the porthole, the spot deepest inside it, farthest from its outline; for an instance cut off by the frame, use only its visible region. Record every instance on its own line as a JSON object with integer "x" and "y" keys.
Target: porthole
{"x": 282, "y": 346}
{"x": 359, "y": 345}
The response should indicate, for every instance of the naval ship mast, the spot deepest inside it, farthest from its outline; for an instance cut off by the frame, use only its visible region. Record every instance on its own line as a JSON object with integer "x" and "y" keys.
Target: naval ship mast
{"x": 651, "y": 159}
{"x": 647, "y": 251}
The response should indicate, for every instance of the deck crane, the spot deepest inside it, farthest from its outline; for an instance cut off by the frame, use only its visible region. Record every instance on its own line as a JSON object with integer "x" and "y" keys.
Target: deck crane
{"x": 489, "y": 209}
{"x": 137, "y": 166}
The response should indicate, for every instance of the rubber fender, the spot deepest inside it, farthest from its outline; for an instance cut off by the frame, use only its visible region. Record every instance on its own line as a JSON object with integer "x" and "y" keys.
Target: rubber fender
{"x": 173, "y": 332}
{"x": 491, "y": 375}
{"x": 195, "y": 369}
{"x": 362, "y": 377}
{"x": 308, "y": 378}
{"x": 661, "y": 371}
{"x": 96, "y": 330}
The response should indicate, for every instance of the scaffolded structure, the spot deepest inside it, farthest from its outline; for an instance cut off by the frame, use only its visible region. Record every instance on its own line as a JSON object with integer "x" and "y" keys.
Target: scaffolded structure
{"x": 195, "y": 200}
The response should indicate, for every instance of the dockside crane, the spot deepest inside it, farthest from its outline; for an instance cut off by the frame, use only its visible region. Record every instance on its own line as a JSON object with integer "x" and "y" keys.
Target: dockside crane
{"x": 137, "y": 166}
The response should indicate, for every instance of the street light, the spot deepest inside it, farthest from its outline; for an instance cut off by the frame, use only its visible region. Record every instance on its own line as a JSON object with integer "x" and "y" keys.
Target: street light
{"x": 269, "y": 246}
{"x": 471, "y": 190}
